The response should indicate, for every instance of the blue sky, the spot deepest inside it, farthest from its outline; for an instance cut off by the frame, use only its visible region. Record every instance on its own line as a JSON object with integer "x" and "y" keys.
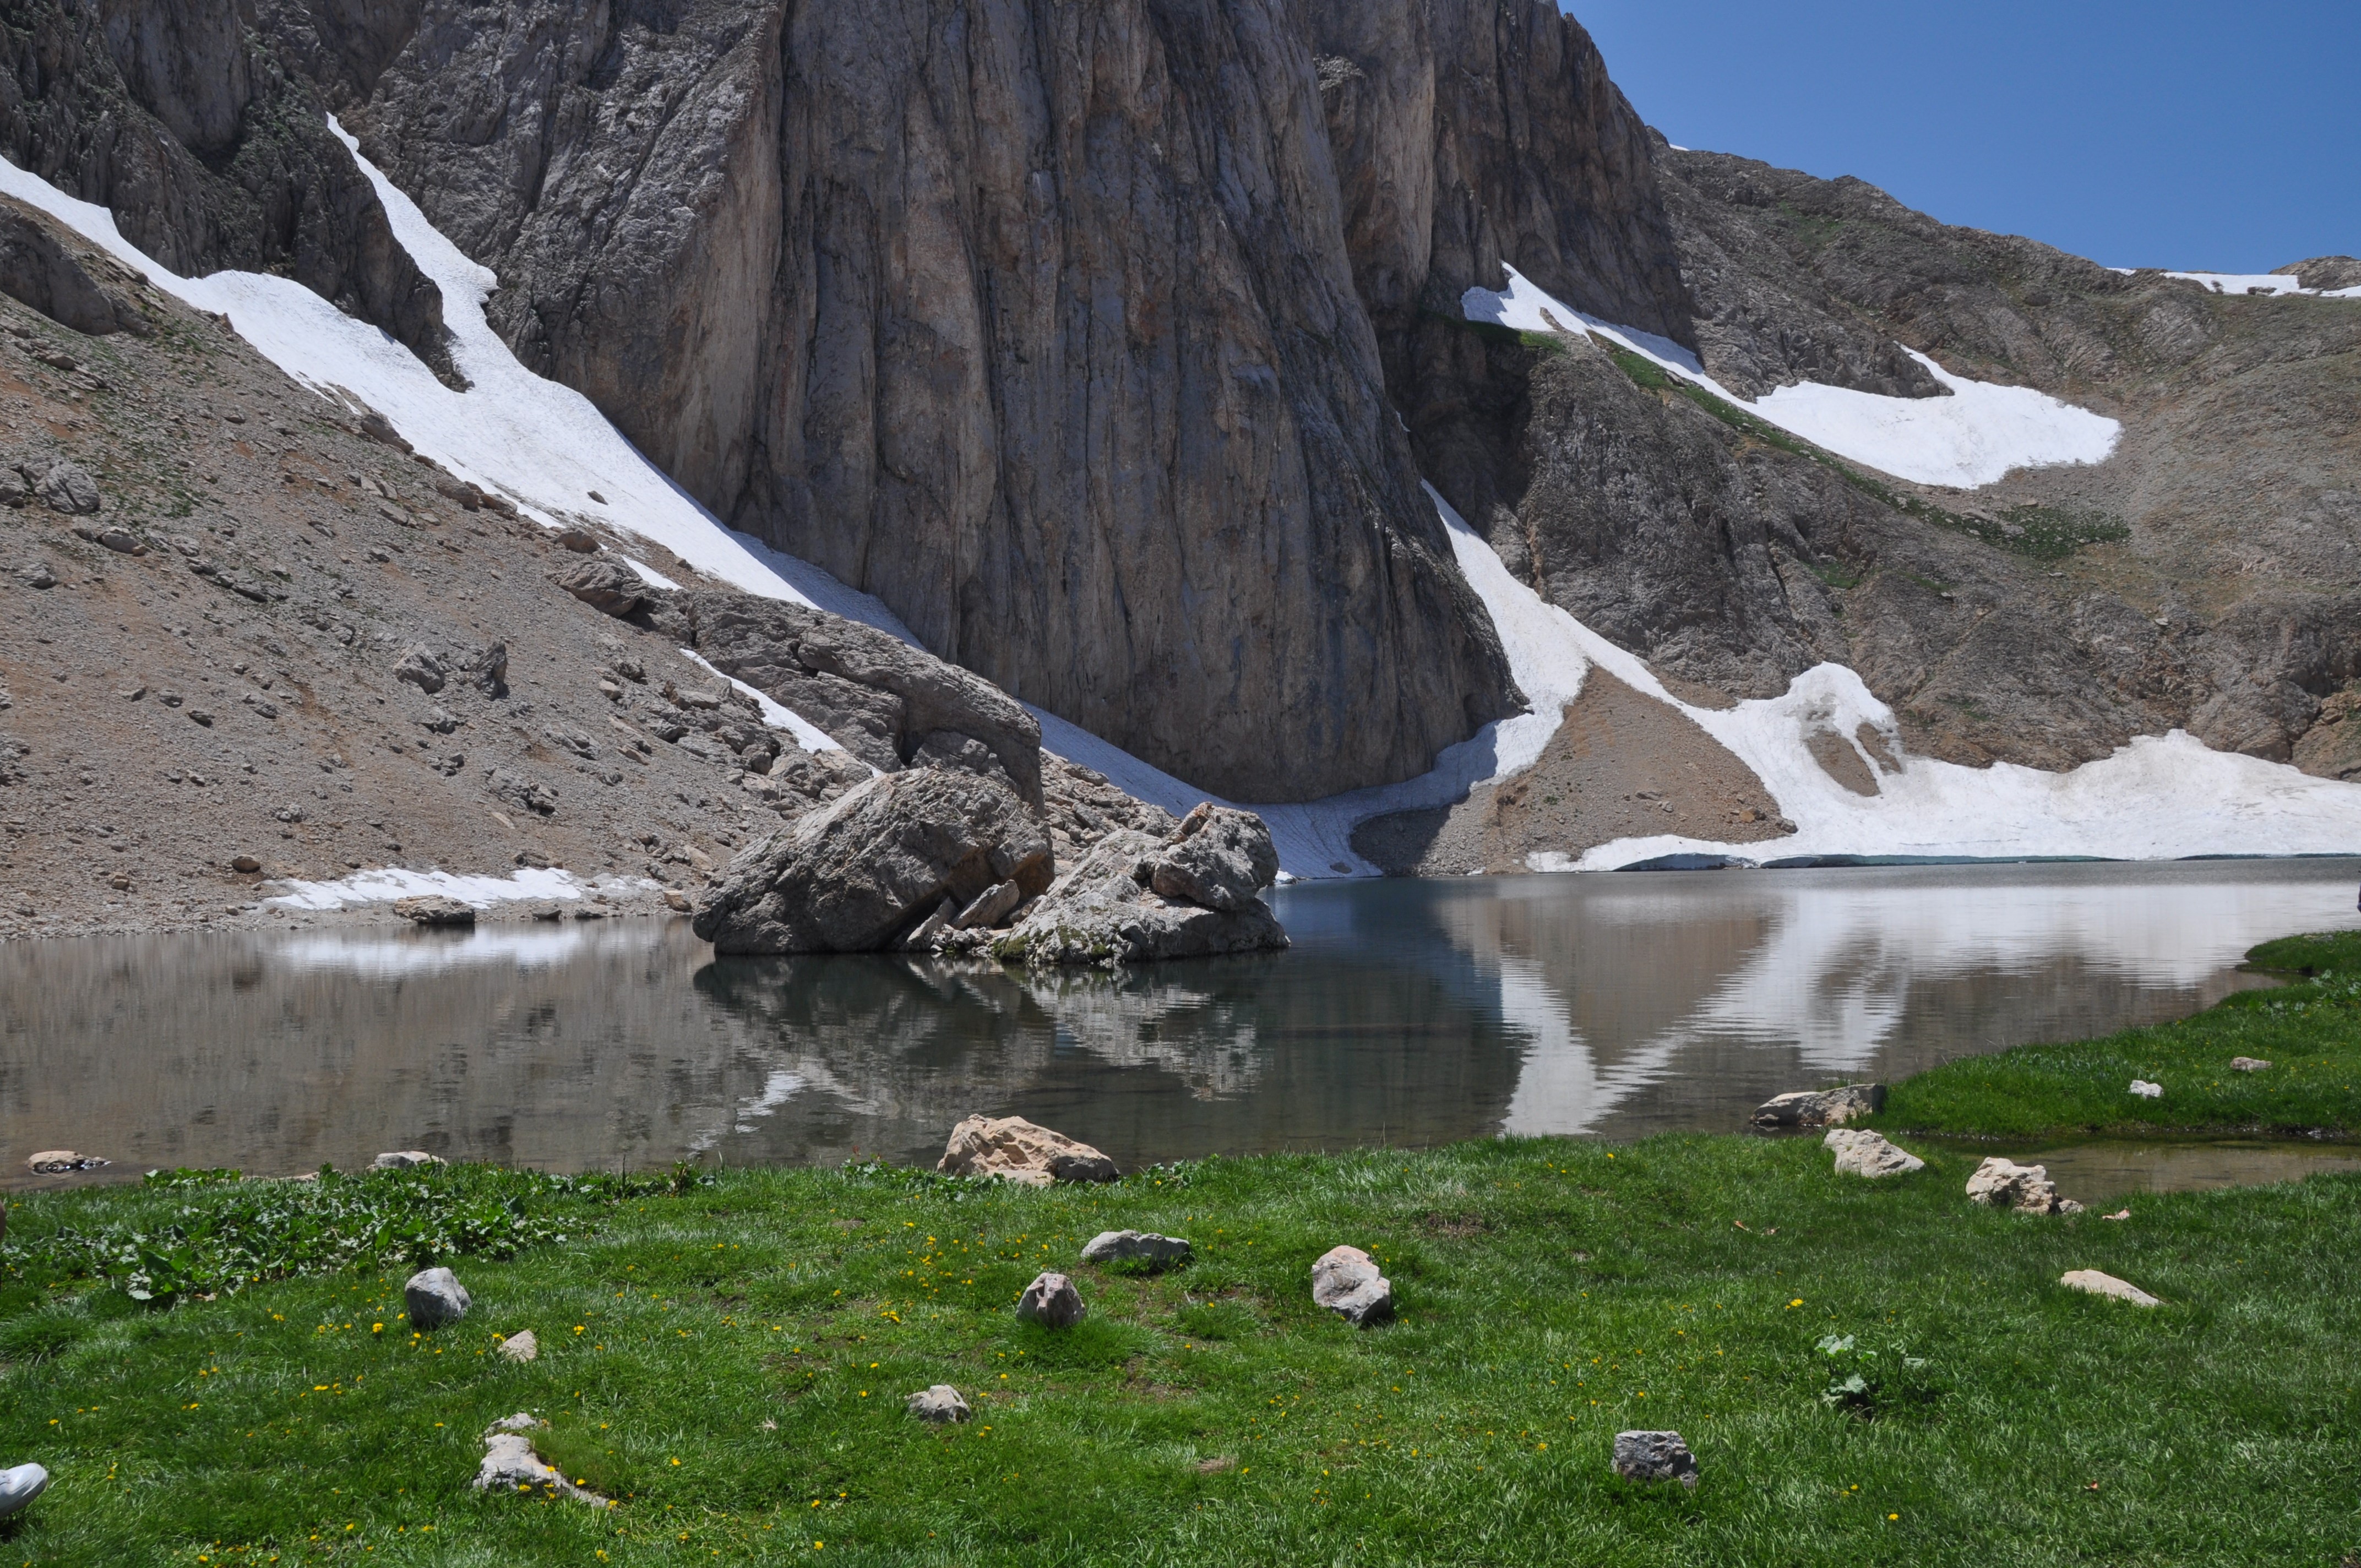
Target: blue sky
{"x": 2159, "y": 134}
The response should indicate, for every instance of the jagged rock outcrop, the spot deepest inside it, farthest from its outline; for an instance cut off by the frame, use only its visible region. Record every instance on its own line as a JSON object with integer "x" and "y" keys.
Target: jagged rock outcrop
{"x": 1035, "y": 322}
{"x": 1135, "y": 899}
{"x": 184, "y": 121}
{"x": 903, "y": 851}
{"x": 887, "y": 703}
{"x": 66, "y": 278}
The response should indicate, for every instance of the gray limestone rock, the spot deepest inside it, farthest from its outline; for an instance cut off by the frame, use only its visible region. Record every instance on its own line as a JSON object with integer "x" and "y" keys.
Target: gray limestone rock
{"x": 487, "y": 669}
{"x": 606, "y": 585}
{"x": 1822, "y": 1107}
{"x": 2001, "y": 1183}
{"x": 1137, "y": 1246}
{"x": 1655, "y": 1456}
{"x": 433, "y": 909}
{"x": 1346, "y": 1280}
{"x": 1867, "y": 1154}
{"x": 420, "y": 667}
{"x": 939, "y": 1403}
{"x": 434, "y": 1296}
{"x": 1052, "y": 1301}
{"x": 859, "y": 875}
{"x": 1102, "y": 913}
{"x": 1220, "y": 858}
{"x": 888, "y": 703}
{"x": 68, "y": 488}
{"x": 49, "y": 267}
{"x": 406, "y": 1159}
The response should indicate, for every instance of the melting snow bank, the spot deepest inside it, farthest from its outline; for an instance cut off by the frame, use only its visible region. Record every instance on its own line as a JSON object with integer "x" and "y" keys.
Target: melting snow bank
{"x": 389, "y": 883}
{"x": 1975, "y": 436}
{"x": 2253, "y": 283}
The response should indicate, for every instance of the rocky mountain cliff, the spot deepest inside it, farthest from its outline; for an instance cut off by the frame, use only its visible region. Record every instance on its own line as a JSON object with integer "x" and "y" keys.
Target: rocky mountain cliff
{"x": 1108, "y": 346}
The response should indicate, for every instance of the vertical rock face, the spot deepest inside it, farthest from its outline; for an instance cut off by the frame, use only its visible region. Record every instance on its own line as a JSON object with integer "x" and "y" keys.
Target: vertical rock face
{"x": 1036, "y": 320}
{"x": 209, "y": 150}
{"x": 1474, "y": 132}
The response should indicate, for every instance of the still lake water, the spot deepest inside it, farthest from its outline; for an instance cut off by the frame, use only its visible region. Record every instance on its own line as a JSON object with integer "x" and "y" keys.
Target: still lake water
{"x": 1407, "y": 1012}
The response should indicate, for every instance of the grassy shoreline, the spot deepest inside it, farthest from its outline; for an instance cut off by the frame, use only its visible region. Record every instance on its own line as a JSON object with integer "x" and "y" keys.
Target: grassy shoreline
{"x": 2308, "y": 1030}
{"x": 728, "y": 1355}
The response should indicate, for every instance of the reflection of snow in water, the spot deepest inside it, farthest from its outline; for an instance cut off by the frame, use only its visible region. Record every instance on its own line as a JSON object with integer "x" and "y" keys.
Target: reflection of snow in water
{"x": 381, "y": 956}
{"x": 1832, "y": 980}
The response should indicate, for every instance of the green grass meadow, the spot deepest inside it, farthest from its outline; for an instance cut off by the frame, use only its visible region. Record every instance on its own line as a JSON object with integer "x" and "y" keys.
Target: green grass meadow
{"x": 1869, "y": 1373}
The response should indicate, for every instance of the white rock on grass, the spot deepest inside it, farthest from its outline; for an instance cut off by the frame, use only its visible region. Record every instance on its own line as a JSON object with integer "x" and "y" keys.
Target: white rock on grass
{"x": 2099, "y": 1284}
{"x": 1868, "y": 1154}
{"x": 2001, "y": 1183}
{"x": 19, "y": 1486}
{"x": 1015, "y": 1149}
{"x": 1346, "y": 1280}
{"x": 1137, "y": 1246}
{"x": 1655, "y": 1456}
{"x": 1052, "y": 1301}
{"x": 939, "y": 1403}
{"x": 523, "y": 1346}
{"x": 511, "y": 1465}
{"x": 2248, "y": 1064}
{"x": 406, "y": 1159}
{"x": 434, "y": 1296}
{"x": 2145, "y": 1090}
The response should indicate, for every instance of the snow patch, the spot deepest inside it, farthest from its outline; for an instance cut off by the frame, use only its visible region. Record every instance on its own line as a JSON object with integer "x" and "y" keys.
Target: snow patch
{"x": 650, "y": 576}
{"x": 386, "y": 883}
{"x": 1976, "y": 435}
{"x": 809, "y": 736}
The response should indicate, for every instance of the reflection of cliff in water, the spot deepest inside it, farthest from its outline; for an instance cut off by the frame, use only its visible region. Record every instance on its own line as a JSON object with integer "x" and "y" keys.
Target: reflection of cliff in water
{"x": 1230, "y": 1055}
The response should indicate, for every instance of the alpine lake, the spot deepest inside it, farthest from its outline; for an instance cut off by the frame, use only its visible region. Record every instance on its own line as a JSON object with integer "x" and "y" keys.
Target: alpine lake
{"x": 1407, "y": 1012}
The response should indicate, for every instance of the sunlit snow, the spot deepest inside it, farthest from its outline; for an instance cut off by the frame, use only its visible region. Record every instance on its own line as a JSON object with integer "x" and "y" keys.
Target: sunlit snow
{"x": 1975, "y": 436}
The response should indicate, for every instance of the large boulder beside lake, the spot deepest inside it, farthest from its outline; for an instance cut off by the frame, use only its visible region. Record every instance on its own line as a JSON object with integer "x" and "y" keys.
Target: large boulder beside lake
{"x": 1136, "y": 898}
{"x": 1015, "y": 1149}
{"x": 901, "y": 852}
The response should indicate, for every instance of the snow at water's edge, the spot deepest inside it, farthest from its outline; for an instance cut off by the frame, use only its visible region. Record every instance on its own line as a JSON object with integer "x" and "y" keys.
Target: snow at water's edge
{"x": 1975, "y": 436}
{"x": 547, "y": 446}
{"x": 386, "y": 883}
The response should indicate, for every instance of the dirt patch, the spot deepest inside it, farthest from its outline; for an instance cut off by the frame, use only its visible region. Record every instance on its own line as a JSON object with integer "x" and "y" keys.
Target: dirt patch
{"x": 1621, "y": 766}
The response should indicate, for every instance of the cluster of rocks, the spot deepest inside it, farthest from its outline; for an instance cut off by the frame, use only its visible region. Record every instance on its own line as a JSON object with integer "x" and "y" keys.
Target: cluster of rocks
{"x": 62, "y": 486}
{"x": 1821, "y": 1107}
{"x": 511, "y": 1464}
{"x": 62, "y": 1162}
{"x": 942, "y": 857}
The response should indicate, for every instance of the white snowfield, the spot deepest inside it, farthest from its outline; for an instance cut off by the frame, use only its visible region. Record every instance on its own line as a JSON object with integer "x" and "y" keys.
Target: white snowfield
{"x": 1975, "y": 436}
{"x": 2273, "y": 283}
{"x": 547, "y": 447}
